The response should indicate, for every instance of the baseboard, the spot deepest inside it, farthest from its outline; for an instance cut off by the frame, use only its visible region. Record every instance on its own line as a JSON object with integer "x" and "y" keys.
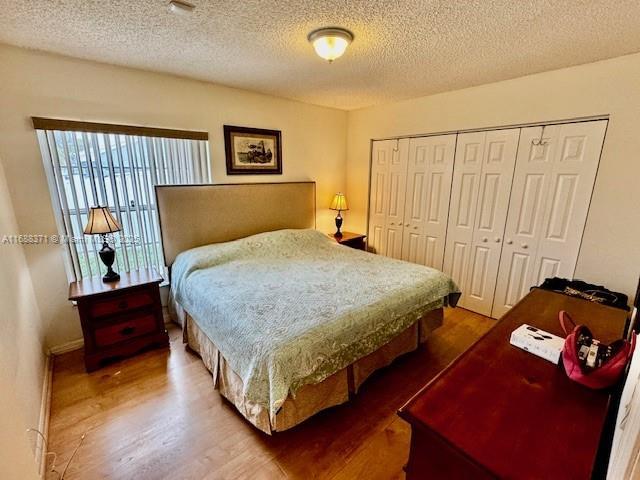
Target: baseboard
{"x": 45, "y": 411}
{"x": 67, "y": 347}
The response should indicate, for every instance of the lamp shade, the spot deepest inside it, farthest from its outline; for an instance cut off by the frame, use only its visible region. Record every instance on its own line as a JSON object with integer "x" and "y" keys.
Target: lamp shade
{"x": 101, "y": 221}
{"x": 339, "y": 202}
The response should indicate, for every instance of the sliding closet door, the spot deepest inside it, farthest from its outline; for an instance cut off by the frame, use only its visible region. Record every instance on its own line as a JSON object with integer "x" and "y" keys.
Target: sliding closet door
{"x": 498, "y": 164}
{"x": 429, "y": 172}
{"x": 462, "y": 210}
{"x": 381, "y": 153}
{"x": 397, "y": 193}
{"x": 552, "y": 188}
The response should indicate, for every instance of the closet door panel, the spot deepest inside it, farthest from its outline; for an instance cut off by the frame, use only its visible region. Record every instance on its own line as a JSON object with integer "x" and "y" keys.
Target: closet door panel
{"x": 493, "y": 200}
{"x": 524, "y": 221}
{"x": 381, "y": 154}
{"x": 459, "y": 252}
{"x": 413, "y": 249}
{"x": 433, "y": 252}
{"x": 393, "y": 241}
{"x": 547, "y": 267}
{"x": 397, "y": 193}
{"x": 571, "y": 186}
{"x": 429, "y": 174}
{"x": 376, "y": 238}
{"x": 462, "y": 211}
{"x": 397, "y": 182}
{"x": 516, "y": 285}
{"x": 414, "y": 210}
{"x": 439, "y": 178}
{"x": 416, "y": 187}
{"x": 396, "y": 197}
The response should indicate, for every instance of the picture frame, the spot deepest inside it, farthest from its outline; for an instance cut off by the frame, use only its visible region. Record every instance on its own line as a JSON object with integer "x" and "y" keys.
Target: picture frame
{"x": 252, "y": 151}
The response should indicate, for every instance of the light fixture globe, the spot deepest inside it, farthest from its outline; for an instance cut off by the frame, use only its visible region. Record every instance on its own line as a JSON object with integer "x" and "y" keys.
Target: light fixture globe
{"x": 330, "y": 42}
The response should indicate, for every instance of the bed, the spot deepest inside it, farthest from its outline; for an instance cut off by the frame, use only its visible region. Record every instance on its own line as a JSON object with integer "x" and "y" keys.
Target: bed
{"x": 287, "y": 321}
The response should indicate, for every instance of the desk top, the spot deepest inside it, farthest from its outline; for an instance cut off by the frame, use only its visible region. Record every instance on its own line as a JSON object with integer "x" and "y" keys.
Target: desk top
{"x": 516, "y": 414}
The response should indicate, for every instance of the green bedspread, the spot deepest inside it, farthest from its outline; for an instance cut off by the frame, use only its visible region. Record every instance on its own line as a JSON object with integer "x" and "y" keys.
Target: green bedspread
{"x": 292, "y": 307}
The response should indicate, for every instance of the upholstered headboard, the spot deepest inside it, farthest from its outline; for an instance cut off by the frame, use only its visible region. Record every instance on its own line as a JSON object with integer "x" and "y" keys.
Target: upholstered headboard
{"x": 195, "y": 215}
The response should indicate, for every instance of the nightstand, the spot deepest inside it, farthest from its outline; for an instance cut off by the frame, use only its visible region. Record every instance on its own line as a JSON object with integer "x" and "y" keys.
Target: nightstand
{"x": 350, "y": 239}
{"x": 119, "y": 318}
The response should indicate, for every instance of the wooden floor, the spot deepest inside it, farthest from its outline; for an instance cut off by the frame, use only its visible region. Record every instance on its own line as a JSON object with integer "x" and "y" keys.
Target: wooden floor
{"x": 157, "y": 416}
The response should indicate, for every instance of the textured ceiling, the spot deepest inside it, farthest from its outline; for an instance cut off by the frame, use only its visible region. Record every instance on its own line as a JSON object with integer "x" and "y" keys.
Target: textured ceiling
{"x": 402, "y": 49}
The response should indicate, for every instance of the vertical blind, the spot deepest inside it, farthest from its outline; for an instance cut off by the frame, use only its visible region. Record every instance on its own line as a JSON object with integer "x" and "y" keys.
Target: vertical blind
{"x": 89, "y": 168}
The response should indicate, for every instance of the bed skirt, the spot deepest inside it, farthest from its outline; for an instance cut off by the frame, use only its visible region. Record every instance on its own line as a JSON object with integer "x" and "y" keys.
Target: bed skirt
{"x": 309, "y": 399}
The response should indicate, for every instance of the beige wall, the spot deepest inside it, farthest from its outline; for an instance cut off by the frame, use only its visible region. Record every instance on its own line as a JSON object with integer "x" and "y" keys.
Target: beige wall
{"x": 34, "y": 83}
{"x": 610, "y": 251}
{"x": 21, "y": 353}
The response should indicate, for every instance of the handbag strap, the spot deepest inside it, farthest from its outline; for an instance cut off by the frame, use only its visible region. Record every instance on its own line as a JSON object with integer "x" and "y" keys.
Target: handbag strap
{"x": 566, "y": 322}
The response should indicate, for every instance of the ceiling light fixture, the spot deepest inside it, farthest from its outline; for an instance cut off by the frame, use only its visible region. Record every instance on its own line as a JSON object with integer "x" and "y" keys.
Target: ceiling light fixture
{"x": 331, "y": 42}
{"x": 181, "y": 8}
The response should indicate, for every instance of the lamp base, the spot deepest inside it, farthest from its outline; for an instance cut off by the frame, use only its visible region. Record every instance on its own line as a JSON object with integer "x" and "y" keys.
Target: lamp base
{"x": 108, "y": 256}
{"x": 338, "y": 225}
{"x": 111, "y": 276}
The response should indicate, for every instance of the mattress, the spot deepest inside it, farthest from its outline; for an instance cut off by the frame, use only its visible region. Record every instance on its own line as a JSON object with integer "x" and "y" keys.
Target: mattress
{"x": 291, "y": 308}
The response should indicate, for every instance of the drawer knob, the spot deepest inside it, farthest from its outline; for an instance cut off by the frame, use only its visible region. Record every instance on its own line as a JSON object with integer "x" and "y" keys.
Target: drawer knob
{"x": 524, "y": 245}
{"x": 123, "y": 304}
{"x": 128, "y": 330}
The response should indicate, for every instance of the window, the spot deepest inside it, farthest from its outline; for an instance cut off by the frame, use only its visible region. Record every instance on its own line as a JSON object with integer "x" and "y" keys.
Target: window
{"x": 92, "y": 165}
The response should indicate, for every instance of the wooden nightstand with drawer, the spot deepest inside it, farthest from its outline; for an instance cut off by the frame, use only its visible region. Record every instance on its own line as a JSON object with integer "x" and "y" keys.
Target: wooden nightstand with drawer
{"x": 119, "y": 318}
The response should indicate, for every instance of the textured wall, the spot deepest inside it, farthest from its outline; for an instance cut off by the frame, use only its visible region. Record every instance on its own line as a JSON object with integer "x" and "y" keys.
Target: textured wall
{"x": 33, "y": 83}
{"x": 610, "y": 250}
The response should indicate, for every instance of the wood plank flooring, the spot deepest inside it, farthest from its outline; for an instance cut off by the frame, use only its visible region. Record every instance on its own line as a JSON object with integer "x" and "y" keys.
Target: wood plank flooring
{"x": 157, "y": 416}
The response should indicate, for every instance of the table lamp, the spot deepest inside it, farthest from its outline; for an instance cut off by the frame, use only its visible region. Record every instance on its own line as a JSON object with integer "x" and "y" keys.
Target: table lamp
{"x": 339, "y": 203}
{"x": 102, "y": 222}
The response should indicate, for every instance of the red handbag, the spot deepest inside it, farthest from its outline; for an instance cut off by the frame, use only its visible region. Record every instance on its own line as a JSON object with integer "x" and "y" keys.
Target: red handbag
{"x": 608, "y": 371}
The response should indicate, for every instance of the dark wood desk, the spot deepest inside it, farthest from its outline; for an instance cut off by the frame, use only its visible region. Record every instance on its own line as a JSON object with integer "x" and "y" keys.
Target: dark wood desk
{"x": 500, "y": 412}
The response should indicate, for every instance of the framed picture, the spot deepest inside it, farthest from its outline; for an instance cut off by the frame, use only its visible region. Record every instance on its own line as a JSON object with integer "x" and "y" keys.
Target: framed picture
{"x": 252, "y": 151}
